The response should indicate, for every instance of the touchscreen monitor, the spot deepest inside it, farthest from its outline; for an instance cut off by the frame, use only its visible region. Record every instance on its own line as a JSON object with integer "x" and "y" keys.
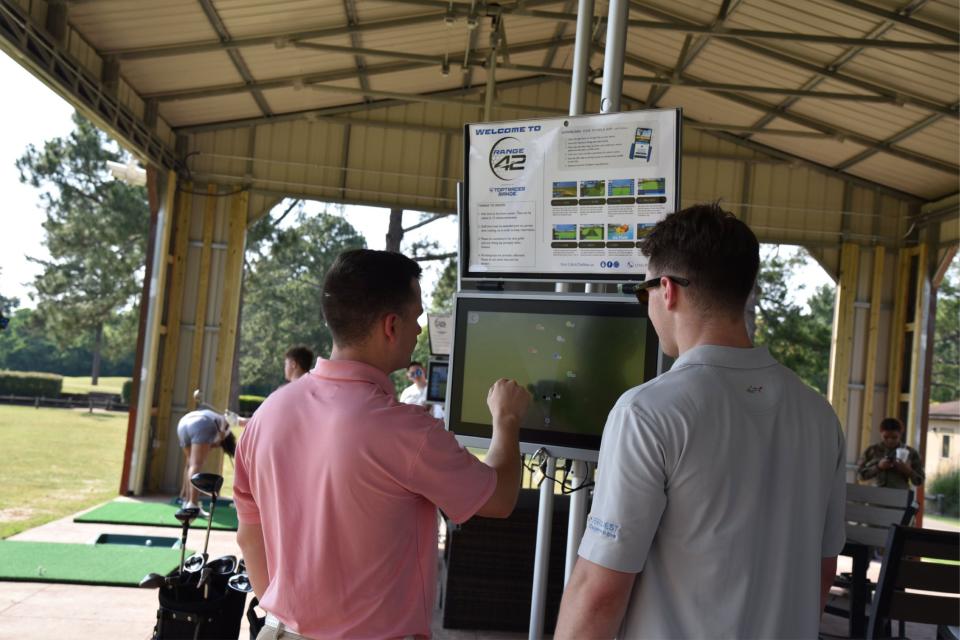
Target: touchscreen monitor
{"x": 437, "y": 380}
{"x": 576, "y": 356}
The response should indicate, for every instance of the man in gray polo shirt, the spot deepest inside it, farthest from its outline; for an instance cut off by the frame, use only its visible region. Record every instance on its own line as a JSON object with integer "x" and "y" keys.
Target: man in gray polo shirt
{"x": 718, "y": 511}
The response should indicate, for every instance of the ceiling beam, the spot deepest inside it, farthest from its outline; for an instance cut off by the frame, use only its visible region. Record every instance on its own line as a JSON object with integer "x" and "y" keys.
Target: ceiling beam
{"x": 889, "y": 142}
{"x": 845, "y": 58}
{"x": 903, "y": 19}
{"x": 462, "y": 11}
{"x": 766, "y": 51}
{"x": 350, "y": 12}
{"x": 692, "y": 46}
{"x": 235, "y": 56}
{"x": 806, "y": 121}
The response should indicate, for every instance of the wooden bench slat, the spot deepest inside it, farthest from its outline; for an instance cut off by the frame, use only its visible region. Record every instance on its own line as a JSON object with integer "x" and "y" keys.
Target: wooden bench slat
{"x": 918, "y": 607}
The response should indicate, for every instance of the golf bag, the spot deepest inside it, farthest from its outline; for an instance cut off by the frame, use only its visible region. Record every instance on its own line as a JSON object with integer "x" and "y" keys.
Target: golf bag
{"x": 185, "y": 614}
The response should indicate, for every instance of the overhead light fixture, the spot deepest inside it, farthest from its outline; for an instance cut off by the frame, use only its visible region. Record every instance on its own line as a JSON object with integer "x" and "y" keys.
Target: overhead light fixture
{"x": 131, "y": 173}
{"x": 445, "y": 66}
{"x": 472, "y": 22}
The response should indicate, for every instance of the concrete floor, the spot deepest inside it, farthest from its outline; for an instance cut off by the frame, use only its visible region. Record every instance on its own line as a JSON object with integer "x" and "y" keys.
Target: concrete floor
{"x": 45, "y": 611}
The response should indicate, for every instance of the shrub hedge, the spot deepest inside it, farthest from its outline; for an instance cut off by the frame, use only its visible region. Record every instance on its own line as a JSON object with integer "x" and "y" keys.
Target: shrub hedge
{"x": 249, "y": 404}
{"x": 948, "y": 485}
{"x": 126, "y": 390}
{"x": 30, "y": 383}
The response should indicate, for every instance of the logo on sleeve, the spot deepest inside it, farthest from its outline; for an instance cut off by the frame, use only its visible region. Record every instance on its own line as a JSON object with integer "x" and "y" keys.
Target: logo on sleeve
{"x": 603, "y": 528}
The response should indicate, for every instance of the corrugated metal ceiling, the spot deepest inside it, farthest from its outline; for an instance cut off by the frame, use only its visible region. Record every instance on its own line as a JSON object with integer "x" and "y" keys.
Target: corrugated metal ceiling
{"x": 906, "y": 138}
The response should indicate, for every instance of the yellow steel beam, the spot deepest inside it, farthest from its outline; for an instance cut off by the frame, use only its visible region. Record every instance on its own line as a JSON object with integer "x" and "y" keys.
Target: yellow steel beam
{"x": 171, "y": 345}
{"x": 229, "y": 310}
{"x": 873, "y": 336}
{"x": 841, "y": 348}
{"x": 200, "y": 317}
{"x": 897, "y": 330}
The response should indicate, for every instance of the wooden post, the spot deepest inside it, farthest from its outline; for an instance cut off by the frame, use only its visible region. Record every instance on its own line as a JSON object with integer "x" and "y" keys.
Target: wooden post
{"x": 200, "y": 316}
{"x": 841, "y": 351}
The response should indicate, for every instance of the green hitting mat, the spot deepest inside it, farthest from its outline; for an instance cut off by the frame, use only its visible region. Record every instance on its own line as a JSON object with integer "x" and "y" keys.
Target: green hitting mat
{"x": 155, "y": 514}
{"x": 101, "y": 564}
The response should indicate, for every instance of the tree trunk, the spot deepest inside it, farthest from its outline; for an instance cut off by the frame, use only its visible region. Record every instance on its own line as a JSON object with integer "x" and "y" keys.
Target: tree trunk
{"x": 97, "y": 344}
{"x": 395, "y": 230}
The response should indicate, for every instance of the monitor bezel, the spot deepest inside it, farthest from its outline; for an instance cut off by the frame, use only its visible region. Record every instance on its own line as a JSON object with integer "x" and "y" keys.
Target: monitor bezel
{"x": 557, "y": 444}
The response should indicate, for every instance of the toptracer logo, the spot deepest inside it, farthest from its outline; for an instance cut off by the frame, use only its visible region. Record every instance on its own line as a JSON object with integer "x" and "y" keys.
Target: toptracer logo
{"x": 508, "y": 158}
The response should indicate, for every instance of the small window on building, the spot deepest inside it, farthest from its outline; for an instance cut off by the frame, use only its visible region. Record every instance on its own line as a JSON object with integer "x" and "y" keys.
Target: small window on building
{"x": 946, "y": 447}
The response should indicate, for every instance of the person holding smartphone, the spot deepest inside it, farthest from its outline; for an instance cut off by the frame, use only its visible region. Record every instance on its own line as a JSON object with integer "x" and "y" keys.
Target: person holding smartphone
{"x": 890, "y": 462}
{"x": 416, "y": 393}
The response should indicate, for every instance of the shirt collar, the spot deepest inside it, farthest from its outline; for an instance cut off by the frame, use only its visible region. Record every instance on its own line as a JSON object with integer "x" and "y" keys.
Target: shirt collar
{"x": 732, "y": 357}
{"x": 353, "y": 371}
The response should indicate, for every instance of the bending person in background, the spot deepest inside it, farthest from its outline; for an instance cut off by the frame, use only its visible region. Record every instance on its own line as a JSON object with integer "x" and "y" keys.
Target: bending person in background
{"x": 199, "y": 431}
{"x": 699, "y": 526}
{"x": 337, "y": 484}
{"x": 890, "y": 463}
{"x": 297, "y": 361}
{"x": 416, "y": 393}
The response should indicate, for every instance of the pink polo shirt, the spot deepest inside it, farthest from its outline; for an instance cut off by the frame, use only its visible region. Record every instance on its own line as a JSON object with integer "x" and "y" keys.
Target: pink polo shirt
{"x": 345, "y": 482}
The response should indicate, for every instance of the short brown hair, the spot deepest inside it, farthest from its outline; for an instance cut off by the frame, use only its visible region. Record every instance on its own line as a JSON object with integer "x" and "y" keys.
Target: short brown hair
{"x": 719, "y": 254}
{"x": 301, "y": 356}
{"x": 361, "y": 286}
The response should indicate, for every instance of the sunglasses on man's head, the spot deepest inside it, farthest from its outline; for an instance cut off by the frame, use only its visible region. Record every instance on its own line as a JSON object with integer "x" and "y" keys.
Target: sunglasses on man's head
{"x": 642, "y": 290}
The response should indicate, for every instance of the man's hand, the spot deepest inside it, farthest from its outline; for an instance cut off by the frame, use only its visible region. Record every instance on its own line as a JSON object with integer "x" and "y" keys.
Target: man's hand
{"x": 508, "y": 403}
{"x": 885, "y": 464}
{"x": 903, "y": 468}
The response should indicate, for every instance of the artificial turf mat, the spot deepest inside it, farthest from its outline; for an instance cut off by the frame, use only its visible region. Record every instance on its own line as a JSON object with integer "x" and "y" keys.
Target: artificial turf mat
{"x": 101, "y": 564}
{"x": 155, "y": 514}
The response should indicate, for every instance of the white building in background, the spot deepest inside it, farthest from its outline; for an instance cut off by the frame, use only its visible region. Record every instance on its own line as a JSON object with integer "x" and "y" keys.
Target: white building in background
{"x": 943, "y": 439}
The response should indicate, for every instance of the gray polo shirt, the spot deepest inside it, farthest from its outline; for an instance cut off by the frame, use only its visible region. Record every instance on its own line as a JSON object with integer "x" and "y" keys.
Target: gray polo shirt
{"x": 723, "y": 482}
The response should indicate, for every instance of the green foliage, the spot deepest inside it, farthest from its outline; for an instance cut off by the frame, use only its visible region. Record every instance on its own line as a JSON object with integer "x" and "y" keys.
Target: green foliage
{"x": 26, "y": 346}
{"x": 29, "y": 383}
{"x": 797, "y": 338}
{"x": 95, "y": 232}
{"x": 947, "y": 485}
{"x": 250, "y": 403}
{"x": 945, "y": 379}
{"x": 446, "y": 289}
{"x": 283, "y": 280}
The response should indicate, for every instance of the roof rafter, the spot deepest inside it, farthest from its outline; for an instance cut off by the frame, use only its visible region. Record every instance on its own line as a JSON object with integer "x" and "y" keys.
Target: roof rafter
{"x": 845, "y": 58}
{"x": 766, "y": 51}
{"x": 235, "y": 56}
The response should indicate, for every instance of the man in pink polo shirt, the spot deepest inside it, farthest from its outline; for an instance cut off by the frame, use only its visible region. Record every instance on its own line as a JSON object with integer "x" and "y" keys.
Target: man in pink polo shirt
{"x": 337, "y": 484}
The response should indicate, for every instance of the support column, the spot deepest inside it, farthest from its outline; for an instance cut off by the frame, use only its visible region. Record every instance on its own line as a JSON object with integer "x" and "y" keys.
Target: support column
{"x": 873, "y": 338}
{"x": 841, "y": 346}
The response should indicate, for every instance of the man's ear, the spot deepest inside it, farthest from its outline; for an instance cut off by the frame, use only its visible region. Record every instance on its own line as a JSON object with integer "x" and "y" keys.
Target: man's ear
{"x": 671, "y": 293}
{"x": 389, "y": 324}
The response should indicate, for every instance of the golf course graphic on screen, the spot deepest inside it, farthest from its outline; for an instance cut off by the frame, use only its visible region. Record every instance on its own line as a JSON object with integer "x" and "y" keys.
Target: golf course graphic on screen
{"x": 592, "y": 188}
{"x": 620, "y": 188}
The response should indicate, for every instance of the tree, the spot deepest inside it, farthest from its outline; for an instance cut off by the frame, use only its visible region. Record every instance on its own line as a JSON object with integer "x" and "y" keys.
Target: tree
{"x": 95, "y": 231}
{"x": 797, "y": 338}
{"x": 945, "y": 379}
{"x": 283, "y": 281}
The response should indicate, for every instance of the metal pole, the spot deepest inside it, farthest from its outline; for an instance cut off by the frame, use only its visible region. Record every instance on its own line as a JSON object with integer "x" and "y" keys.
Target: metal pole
{"x": 581, "y": 58}
{"x": 541, "y": 561}
{"x": 613, "y": 56}
{"x": 579, "y": 474}
{"x": 491, "y": 72}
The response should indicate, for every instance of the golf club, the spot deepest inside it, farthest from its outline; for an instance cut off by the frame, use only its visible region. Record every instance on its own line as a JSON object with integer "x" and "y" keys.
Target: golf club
{"x": 209, "y": 484}
{"x": 185, "y": 516}
{"x": 240, "y": 582}
{"x": 152, "y": 581}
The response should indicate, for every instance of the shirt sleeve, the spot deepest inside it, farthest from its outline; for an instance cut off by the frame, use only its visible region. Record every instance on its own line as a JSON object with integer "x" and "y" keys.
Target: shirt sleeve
{"x": 247, "y": 510}
{"x": 867, "y": 466}
{"x": 449, "y": 476}
{"x": 630, "y": 495}
{"x": 918, "y": 474}
{"x": 835, "y": 527}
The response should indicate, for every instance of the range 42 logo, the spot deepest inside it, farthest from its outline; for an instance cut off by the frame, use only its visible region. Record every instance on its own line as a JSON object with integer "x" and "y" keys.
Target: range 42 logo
{"x": 508, "y": 158}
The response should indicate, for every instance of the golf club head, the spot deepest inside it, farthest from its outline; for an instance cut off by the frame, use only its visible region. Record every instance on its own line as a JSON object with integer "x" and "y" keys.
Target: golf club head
{"x": 152, "y": 581}
{"x": 205, "y": 574}
{"x": 224, "y": 565}
{"x": 208, "y": 483}
{"x": 240, "y": 582}
{"x": 187, "y": 514}
{"x": 194, "y": 563}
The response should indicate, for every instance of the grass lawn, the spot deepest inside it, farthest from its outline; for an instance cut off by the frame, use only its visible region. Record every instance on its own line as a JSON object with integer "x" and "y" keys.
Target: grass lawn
{"x": 943, "y": 520}
{"x": 56, "y": 462}
{"x": 81, "y": 384}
